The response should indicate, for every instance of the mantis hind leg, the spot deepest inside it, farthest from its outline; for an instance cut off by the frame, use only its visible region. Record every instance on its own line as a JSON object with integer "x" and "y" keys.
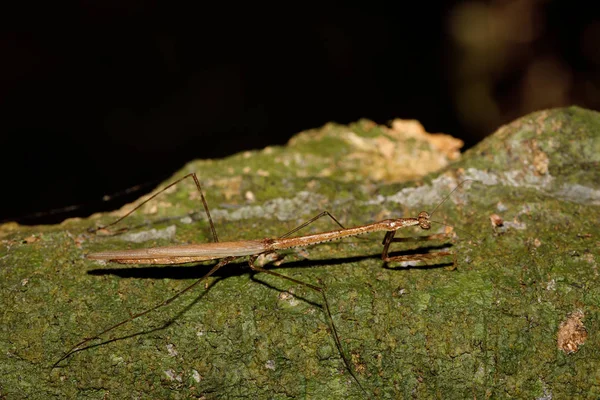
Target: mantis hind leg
{"x": 198, "y": 187}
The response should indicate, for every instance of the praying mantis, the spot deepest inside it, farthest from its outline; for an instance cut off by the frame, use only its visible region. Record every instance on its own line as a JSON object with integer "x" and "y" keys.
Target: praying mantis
{"x": 257, "y": 252}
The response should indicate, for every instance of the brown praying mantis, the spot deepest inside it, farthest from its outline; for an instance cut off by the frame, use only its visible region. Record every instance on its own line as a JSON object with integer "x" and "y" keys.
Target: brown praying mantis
{"x": 267, "y": 248}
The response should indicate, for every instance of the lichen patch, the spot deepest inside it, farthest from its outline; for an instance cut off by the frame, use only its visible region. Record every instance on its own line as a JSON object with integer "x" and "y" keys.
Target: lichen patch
{"x": 572, "y": 333}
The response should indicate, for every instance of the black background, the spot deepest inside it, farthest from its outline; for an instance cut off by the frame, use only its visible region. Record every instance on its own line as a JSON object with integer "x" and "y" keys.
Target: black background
{"x": 99, "y": 96}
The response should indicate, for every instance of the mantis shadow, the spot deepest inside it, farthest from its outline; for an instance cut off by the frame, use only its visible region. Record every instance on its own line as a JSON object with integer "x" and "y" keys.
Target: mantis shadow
{"x": 195, "y": 271}
{"x": 237, "y": 269}
{"x": 190, "y": 272}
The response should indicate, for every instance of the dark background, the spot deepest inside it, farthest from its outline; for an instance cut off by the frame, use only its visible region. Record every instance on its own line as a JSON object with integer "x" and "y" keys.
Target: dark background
{"x": 96, "y": 97}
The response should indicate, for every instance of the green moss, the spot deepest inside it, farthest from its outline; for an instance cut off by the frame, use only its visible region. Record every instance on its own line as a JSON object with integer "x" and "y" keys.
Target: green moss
{"x": 486, "y": 329}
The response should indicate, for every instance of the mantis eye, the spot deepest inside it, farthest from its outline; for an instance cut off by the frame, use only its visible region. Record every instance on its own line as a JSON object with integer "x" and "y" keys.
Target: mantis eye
{"x": 424, "y": 220}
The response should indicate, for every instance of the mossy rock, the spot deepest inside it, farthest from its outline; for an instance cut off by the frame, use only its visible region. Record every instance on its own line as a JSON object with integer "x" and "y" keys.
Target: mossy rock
{"x": 514, "y": 314}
